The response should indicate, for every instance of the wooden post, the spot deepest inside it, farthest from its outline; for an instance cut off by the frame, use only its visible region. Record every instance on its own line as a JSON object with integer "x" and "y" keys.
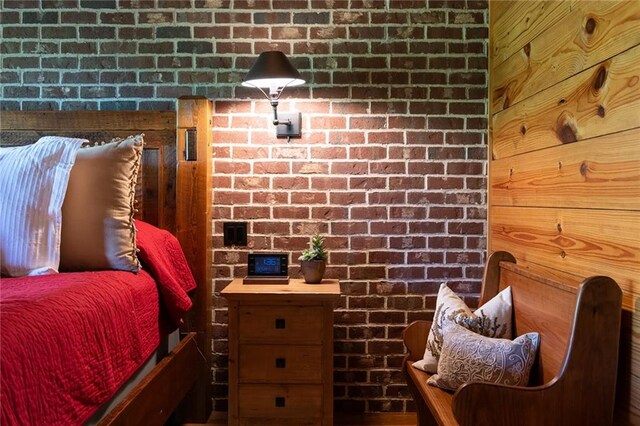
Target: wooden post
{"x": 193, "y": 217}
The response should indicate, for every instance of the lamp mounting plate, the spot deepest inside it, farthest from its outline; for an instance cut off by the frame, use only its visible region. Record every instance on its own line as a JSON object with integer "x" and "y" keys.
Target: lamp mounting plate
{"x": 293, "y": 130}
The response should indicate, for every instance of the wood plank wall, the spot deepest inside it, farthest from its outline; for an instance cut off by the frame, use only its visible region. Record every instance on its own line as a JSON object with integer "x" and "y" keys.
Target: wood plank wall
{"x": 564, "y": 170}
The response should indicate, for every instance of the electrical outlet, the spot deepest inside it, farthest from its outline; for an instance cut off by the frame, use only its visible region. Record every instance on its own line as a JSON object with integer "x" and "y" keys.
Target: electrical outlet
{"x": 235, "y": 233}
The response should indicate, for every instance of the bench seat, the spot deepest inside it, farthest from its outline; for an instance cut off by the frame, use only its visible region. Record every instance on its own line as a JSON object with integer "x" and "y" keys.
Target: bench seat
{"x": 573, "y": 380}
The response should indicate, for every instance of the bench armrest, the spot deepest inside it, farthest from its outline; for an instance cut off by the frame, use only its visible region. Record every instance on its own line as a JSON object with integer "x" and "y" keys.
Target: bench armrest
{"x": 415, "y": 338}
{"x": 501, "y": 405}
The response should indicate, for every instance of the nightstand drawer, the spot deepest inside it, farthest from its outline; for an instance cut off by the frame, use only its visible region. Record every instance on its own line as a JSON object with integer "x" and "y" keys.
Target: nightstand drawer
{"x": 282, "y": 401}
{"x": 280, "y": 364}
{"x": 280, "y": 324}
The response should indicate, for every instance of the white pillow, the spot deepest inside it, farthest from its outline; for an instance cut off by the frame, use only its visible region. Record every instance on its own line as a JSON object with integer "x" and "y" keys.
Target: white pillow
{"x": 469, "y": 357}
{"x": 33, "y": 183}
{"x": 493, "y": 319}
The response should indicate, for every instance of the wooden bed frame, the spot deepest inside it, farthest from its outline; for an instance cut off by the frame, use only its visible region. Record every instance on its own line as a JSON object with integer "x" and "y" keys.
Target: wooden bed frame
{"x": 173, "y": 193}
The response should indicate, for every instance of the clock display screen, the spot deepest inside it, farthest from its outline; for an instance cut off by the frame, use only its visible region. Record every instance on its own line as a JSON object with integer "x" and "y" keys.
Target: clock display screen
{"x": 267, "y": 265}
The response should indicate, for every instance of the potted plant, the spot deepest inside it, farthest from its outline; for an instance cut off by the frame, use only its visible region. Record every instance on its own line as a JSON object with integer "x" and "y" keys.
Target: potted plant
{"x": 314, "y": 260}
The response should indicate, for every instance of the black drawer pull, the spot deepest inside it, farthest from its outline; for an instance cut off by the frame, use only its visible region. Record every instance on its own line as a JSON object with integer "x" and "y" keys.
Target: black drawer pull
{"x": 279, "y": 401}
{"x": 281, "y": 363}
{"x": 280, "y": 323}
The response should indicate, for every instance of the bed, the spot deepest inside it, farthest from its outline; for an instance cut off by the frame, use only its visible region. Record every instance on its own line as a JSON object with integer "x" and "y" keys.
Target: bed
{"x": 164, "y": 376}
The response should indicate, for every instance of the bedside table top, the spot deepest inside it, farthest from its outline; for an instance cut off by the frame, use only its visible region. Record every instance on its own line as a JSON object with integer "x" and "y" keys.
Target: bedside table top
{"x": 328, "y": 289}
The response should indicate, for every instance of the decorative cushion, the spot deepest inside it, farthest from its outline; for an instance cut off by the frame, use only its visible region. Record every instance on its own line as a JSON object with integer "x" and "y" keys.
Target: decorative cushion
{"x": 97, "y": 215}
{"x": 493, "y": 319}
{"x": 469, "y": 357}
{"x": 33, "y": 182}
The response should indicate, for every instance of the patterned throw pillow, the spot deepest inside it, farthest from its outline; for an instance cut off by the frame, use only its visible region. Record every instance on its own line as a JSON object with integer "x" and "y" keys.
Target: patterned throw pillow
{"x": 469, "y": 357}
{"x": 493, "y": 319}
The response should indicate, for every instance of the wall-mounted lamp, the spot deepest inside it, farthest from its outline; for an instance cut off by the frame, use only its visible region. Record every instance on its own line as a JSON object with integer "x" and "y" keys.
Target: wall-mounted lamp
{"x": 274, "y": 72}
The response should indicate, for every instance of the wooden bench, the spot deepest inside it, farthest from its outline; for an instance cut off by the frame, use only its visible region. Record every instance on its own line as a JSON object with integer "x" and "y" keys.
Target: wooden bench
{"x": 573, "y": 380}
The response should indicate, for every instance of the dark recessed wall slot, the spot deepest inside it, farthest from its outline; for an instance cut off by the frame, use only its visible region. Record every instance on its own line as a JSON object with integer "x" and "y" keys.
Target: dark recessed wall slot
{"x": 235, "y": 233}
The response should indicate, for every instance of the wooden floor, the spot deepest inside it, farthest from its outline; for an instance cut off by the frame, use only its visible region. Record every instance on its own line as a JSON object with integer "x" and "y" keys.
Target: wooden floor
{"x": 372, "y": 419}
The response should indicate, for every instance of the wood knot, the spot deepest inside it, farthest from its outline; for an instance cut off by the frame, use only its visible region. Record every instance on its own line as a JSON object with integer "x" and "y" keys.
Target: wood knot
{"x": 523, "y": 130}
{"x": 563, "y": 254}
{"x": 601, "y": 111}
{"x": 584, "y": 168}
{"x": 527, "y": 50}
{"x": 562, "y": 101}
{"x": 600, "y": 78}
{"x": 559, "y": 227}
{"x": 590, "y": 26}
{"x": 566, "y": 128}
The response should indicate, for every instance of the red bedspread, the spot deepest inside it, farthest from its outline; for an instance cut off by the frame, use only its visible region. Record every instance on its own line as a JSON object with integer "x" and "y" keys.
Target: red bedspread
{"x": 68, "y": 341}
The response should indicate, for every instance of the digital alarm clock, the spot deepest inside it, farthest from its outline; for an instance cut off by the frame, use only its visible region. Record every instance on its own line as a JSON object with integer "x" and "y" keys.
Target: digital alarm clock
{"x": 267, "y": 268}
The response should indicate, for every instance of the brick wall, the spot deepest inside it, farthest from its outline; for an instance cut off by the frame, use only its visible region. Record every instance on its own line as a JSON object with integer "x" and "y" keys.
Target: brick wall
{"x": 391, "y": 165}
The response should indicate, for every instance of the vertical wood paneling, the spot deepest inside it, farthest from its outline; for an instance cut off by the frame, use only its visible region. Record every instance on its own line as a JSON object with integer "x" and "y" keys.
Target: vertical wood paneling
{"x": 193, "y": 221}
{"x": 564, "y": 136}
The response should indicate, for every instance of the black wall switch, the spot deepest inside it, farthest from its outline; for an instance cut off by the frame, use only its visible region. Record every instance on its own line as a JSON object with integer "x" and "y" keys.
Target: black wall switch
{"x": 235, "y": 233}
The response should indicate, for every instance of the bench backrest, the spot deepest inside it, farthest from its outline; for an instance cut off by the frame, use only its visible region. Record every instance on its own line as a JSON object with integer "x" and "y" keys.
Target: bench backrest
{"x": 544, "y": 306}
{"x": 541, "y": 304}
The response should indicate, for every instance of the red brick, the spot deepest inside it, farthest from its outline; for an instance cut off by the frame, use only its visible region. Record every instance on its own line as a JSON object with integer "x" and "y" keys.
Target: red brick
{"x": 251, "y": 182}
{"x": 367, "y": 183}
{"x": 308, "y": 198}
{"x": 287, "y": 183}
{"x": 271, "y": 167}
{"x": 351, "y": 168}
{"x": 386, "y": 257}
{"x": 387, "y": 197}
{"x": 369, "y": 212}
{"x": 346, "y": 137}
{"x": 366, "y": 272}
{"x": 388, "y": 228}
{"x": 347, "y": 198}
{"x": 268, "y": 197}
{"x": 329, "y": 183}
{"x": 349, "y": 228}
{"x": 329, "y": 152}
{"x": 242, "y": 212}
{"x": 388, "y": 167}
{"x": 394, "y": 137}
{"x": 231, "y": 167}
{"x": 329, "y": 213}
{"x": 289, "y": 212}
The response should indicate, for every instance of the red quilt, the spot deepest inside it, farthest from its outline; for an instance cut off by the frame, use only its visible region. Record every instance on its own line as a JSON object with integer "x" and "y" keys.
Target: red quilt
{"x": 68, "y": 341}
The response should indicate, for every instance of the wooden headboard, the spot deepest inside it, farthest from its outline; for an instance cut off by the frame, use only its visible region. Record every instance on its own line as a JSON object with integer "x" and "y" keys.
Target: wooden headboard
{"x": 173, "y": 191}
{"x": 156, "y": 189}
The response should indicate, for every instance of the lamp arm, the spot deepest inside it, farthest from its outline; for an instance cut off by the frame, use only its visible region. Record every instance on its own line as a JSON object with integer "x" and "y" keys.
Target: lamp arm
{"x": 274, "y": 96}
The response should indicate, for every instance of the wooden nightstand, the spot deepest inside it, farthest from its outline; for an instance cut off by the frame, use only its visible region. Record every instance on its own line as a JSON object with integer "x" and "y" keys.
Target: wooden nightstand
{"x": 281, "y": 353}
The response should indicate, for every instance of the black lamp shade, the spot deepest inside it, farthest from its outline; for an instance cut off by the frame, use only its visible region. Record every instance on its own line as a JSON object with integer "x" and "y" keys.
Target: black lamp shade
{"x": 272, "y": 70}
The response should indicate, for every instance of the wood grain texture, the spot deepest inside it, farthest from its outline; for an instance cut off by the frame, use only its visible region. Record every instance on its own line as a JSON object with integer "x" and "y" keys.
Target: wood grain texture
{"x": 87, "y": 120}
{"x": 281, "y": 352}
{"x": 513, "y": 24}
{"x": 300, "y": 401}
{"x": 600, "y": 173}
{"x": 576, "y": 241}
{"x": 563, "y": 138}
{"x": 600, "y": 100}
{"x": 157, "y": 396}
{"x": 593, "y": 32}
{"x": 193, "y": 230}
{"x": 156, "y": 186}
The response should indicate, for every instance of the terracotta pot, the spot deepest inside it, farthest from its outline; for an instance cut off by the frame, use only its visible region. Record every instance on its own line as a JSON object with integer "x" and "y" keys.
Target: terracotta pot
{"x": 313, "y": 270}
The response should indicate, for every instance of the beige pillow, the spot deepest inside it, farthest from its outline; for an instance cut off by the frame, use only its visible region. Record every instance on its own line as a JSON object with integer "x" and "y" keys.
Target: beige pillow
{"x": 469, "y": 357}
{"x": 97, "y": 215}
{"x": 493, "y": 319}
